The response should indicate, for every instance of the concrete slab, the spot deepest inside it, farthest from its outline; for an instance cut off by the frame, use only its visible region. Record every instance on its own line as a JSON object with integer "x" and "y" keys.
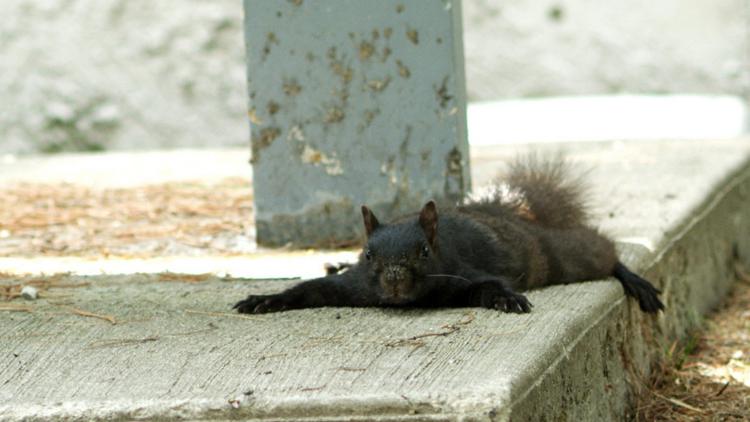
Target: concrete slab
{"x": 175, "y": 352}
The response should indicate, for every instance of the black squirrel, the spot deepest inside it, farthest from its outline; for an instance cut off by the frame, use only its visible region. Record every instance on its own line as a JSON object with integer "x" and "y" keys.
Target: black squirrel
{"x": 480, "y": 253}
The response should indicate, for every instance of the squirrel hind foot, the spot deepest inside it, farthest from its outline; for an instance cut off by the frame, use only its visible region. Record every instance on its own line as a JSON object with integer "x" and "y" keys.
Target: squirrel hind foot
{"x": 639, "y": 288}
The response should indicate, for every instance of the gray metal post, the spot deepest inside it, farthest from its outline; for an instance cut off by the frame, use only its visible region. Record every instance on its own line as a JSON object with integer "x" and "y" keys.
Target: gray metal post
{"x": 352, "y": 102}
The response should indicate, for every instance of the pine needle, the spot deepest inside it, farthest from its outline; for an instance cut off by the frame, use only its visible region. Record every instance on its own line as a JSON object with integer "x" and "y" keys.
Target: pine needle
{"x": 83, "y": 313}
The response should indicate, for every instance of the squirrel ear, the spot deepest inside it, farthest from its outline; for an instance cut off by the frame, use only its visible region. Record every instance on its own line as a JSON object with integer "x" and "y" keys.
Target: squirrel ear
{"x": 428, "y": 218}
{"x": 371, "y": 223}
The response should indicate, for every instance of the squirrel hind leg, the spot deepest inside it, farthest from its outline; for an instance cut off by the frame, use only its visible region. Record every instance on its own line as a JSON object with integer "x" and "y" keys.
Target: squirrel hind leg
{"x": 639, "y": 288}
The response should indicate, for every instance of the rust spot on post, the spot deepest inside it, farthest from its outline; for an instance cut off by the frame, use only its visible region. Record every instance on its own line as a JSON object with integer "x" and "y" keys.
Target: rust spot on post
{"x": 292, "y": 88}
{"x": 413, "y": 36}
{"x": 403, "y": 71}
{"x": 365, "y": 50}
{"x": 264, "y": 140}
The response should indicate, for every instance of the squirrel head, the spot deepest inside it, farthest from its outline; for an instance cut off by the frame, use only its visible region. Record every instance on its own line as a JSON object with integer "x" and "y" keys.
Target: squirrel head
{"x": 399, "y": 255}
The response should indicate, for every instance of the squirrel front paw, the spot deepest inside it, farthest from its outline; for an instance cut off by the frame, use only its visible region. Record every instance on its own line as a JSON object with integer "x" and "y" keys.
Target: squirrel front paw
{"x": 263, "y": 304}
{"x": 503, "y": 299}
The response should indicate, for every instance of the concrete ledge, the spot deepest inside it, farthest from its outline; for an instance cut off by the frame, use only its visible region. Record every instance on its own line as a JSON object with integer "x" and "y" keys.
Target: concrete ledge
{"x": 680, "y": 209}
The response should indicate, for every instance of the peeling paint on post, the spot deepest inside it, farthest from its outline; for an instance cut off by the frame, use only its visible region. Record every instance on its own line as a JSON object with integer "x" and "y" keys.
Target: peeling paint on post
{"x": 352, "y": 102}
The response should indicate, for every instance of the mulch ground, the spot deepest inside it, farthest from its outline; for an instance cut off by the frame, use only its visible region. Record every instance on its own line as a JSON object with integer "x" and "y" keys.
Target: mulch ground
{"x": 165, "y": 219}
{"x": 706, "y": 377}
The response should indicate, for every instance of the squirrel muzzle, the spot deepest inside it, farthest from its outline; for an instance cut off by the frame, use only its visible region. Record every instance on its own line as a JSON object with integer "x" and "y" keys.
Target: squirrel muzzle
{"x": 397, "y": 284}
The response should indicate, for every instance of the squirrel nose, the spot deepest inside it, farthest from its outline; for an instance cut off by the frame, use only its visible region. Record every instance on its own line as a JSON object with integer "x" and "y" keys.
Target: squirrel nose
{"x": 394, "y": 273}
{"x": 396, "y": 282}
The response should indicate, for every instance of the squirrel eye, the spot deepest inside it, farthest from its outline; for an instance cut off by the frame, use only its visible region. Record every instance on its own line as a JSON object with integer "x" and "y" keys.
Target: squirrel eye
{"x": 425, "y": 251}
{"x": 368, "y": 254}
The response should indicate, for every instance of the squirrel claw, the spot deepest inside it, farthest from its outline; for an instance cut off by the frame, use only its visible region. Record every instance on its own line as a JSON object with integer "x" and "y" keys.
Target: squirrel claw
{"x": 513, "y": 303}
{"x": 260, "y": 305}
{"x": 246, "y": 306}
{"x": 507, "y": 301}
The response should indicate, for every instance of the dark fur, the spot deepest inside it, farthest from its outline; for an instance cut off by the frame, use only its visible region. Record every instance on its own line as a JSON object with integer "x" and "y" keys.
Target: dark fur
{"x": 478, "y": 254}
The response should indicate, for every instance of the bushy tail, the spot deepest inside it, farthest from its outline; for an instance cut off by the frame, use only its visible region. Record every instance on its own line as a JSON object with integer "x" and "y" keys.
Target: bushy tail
{"x": 549, "y": 194}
